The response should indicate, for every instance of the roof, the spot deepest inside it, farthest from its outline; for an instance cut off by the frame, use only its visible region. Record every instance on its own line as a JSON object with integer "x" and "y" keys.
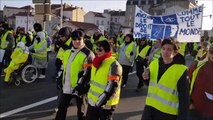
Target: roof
{"x": 69, "y": 9}
{"x": 83, "y": 25}
{"x": 117, "y": 13}
{"x": 97, "y": 14}
{"x": 25, "y": 7}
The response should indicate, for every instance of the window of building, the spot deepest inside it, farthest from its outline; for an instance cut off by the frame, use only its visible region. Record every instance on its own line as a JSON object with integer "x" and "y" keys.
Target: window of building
{"x": 111, "y": 19}
{"x": 108, "y": 22}
{"x": 116, "y": 19}
{"x": 151, "y": 2}
{"x": 135, "y": 2}
{"x": 128, "y": 3}
{"x": 97, "y": 22}
{"x": 131, "y": 2}
{"x": 102, "y": 22}
{"x": 143, "y": 2}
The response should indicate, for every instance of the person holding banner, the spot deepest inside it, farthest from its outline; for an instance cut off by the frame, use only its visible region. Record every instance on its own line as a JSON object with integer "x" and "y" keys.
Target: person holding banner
{"x": 168, "y": 91}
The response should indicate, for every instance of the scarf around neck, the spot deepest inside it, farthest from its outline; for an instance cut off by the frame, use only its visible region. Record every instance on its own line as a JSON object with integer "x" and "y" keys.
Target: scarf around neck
{"x": 98, "y": 59}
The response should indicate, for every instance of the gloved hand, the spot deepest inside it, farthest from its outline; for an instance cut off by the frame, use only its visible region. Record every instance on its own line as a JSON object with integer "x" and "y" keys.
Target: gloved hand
{"x": 33, "y": 51}
{"x": 131, "y": 53}
{"x": 59, "y": 83}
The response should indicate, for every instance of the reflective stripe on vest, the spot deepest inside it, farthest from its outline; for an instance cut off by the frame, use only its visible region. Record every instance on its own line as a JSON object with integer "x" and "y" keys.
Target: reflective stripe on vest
{"x": 143, "y": 52}
{"x": 76, "y": 66}
{"x": 43, "y": 54}
{"x": 163, "y": 95}
{"x": 4, "y": 41}
{"x": 157, "y": 54}
{"x": 99, "y": 80}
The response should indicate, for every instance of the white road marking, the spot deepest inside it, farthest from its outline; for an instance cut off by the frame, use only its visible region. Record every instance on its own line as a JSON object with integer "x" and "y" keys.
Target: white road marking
{"x": 27, "y": 107}
{"x": 17, "y": 110}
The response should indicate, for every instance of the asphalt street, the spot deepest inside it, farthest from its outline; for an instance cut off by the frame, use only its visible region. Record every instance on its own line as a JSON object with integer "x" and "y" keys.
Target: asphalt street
{"x": 37, "y": 101}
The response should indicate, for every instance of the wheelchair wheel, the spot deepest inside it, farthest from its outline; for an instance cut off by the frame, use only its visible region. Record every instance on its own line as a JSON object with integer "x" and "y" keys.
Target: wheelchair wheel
{"x": 29, "y": 74}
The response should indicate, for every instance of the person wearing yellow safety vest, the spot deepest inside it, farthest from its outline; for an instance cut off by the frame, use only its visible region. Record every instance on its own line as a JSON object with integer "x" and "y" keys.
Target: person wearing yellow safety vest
{"x": 39, "y": 53}
{"x": 155, "y": 51}
{"x": 200, "y": 74}
{"x": 142, "y": 54}
{"x": 168, "y": 91}
{"x": 29, "y": 38}
{"x": 76, "y": 70}
{"x": 63, "y": 43}
{"x": 120, "y": 38}
{"x": 127, "y": 52}
{"x": 104, "y": 92}
{"x": 19, "y": 56}
{"x": 7, "y": 43}
{"x": 202, "y": 52}
{"x": 21, "y": 35}
{"x": 114, "y": 46}
{"x": 182, "y": 48}
{"x": 97, "y": 36}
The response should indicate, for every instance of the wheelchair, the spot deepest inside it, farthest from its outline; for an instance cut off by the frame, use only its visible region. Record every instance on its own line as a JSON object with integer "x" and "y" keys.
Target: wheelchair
{"x": 27, "y": 73}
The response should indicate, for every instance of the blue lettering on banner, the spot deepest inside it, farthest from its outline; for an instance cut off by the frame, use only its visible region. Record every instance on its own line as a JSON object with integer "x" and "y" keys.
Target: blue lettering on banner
{"x": 185, "y": 23}
{"x": 190, "y": 31}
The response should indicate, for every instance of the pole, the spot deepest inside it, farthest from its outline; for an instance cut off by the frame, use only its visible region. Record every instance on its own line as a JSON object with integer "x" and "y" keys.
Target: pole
{"x": 61, "y": 19}
{"x": 27, "y": 18}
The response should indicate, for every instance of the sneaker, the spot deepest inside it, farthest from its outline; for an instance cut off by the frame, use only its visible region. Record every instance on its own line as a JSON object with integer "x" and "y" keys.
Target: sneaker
{"x": 41, "y": 76}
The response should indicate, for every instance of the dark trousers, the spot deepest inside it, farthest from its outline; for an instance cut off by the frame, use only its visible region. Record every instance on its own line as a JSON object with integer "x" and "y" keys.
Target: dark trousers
{"x": 64, "y": 104}
{"x": 139, "y": 72}
{"x": 126, "y": 70}
{"x": 97, "y": 113}
{"x": 151, "y": 113}
{"x": 195, "y": 115}
{"x": 58, "y": 64}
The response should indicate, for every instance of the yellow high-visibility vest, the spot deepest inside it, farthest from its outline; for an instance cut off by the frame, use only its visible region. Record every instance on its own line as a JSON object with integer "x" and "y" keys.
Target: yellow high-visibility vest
{"x": 60, "y": 54}
{"x": 163, "y": 95}
{"x": 99, "y": 80}
{"x": 4, "y": 41}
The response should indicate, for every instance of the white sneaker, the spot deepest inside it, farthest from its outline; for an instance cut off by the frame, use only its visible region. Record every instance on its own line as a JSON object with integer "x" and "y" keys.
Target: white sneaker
{"x": 41, "y": 76}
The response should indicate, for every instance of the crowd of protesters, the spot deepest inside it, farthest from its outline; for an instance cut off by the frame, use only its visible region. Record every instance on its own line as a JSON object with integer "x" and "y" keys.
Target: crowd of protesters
{"x": 94, "y": 70}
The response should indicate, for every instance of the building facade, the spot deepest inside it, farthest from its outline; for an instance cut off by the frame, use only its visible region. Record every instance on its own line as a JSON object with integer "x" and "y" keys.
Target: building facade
{"x": 21, "y": 19}
{"x": 99, "y": 19}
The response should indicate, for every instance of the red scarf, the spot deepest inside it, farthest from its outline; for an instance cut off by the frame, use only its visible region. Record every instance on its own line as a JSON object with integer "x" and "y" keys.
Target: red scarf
{"x": 98, "y": 60}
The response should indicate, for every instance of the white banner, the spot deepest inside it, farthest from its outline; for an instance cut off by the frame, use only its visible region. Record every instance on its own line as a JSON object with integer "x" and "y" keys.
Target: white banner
{"x": 185, "y": 26}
